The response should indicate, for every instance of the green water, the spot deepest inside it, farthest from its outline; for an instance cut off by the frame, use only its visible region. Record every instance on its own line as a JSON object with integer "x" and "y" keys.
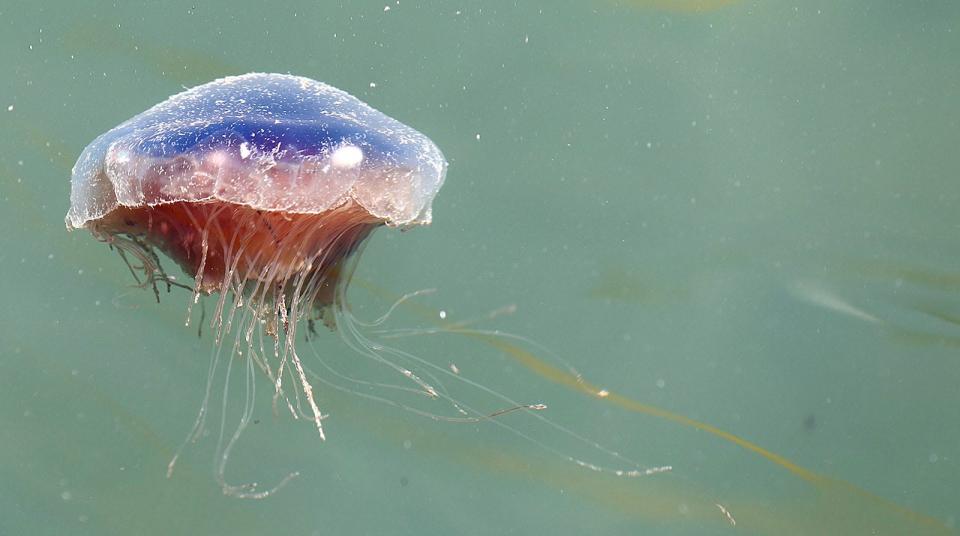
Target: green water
{"x": 745, "y": 216}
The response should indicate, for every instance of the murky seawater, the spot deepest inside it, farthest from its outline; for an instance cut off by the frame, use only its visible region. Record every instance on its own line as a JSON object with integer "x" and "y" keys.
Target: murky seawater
{"x": 736, "y": 221}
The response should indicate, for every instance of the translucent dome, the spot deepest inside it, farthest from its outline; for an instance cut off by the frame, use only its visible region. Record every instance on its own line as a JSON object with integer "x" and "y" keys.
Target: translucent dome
{"x": 270, "y": 142}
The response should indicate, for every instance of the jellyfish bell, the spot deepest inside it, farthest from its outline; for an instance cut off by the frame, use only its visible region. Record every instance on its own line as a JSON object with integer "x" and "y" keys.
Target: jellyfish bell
{"x": 261, "y": 187}
{"x": 258, "y": 177}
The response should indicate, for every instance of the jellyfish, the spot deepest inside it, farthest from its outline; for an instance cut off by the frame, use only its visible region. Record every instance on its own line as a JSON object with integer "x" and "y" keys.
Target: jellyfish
{"x": 262, "y": 187}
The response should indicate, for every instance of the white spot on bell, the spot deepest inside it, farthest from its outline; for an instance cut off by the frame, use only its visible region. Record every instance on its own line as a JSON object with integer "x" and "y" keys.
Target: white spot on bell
{"x": 346, "y": 157}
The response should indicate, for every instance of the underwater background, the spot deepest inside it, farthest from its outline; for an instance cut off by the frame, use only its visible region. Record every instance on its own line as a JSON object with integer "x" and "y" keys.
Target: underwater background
{"x": 731, "y": 228}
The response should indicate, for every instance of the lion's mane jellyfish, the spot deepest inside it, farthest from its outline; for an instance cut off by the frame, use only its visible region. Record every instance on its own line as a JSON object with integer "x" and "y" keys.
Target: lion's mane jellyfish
{"x": 262, "y": 187}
